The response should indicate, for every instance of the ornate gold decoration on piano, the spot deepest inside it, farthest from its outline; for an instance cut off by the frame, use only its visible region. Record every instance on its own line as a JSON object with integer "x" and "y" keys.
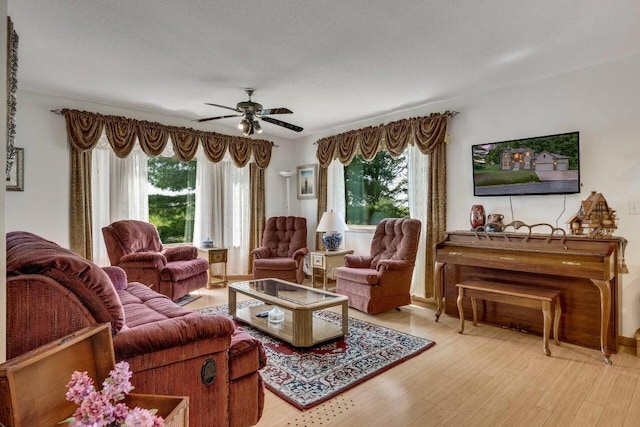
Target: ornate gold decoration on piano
{"x": 584, "y": 269}
{"x": 516, "y": 225}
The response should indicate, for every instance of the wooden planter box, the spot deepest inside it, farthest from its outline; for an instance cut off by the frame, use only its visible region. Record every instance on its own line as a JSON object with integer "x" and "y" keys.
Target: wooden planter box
{"x": 33, "y": 385}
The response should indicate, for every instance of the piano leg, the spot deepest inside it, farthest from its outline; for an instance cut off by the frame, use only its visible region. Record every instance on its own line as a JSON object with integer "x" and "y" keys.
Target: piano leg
{"x": 604, "y": 286}
{"x": 461, "y": 310}
{"x": 437, "y": 287}
{"x": 546, "y": 314}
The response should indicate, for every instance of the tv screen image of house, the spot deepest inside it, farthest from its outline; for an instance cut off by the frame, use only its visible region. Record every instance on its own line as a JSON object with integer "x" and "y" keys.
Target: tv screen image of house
{"x": 541, "y": 165}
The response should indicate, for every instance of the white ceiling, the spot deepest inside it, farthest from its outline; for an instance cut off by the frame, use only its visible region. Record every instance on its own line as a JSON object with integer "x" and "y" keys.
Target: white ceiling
{"x": 332, "y": 62}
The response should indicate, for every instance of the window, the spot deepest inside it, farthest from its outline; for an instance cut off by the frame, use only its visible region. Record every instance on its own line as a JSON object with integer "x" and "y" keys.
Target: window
{"x": 376, "y": 190}
{"x": 172, "y": 198}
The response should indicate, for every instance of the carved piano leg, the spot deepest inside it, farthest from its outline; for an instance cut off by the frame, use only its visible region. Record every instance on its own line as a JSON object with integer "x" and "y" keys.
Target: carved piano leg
{"x": 546, "y": 314}
{"x": 604, "y": 286}
{"x": 461, "y": 310}
{"x": 437, "y": 287}
{"x": 474, "y": 309}
{"x": 556, "y": 322}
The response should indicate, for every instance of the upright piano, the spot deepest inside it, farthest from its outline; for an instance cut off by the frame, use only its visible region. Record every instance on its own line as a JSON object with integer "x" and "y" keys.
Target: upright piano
{"x": 584, "y": 269}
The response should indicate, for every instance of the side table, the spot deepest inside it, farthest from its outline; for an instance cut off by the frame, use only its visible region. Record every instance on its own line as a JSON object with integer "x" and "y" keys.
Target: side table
{"x": 325, "y": 261}
{"x": 215, "y": 256}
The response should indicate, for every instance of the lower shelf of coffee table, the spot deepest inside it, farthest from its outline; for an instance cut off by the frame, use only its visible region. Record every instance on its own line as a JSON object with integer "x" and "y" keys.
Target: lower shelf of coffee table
{"x": 321, "y": 330}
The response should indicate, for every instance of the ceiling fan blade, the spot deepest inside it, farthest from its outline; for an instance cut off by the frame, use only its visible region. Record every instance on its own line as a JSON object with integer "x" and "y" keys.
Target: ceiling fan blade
{"x": 223, "y": 106}
{"x": 216, "y": 118}
{"x": 283, "y": 124}
{"x": 266, "y": 111}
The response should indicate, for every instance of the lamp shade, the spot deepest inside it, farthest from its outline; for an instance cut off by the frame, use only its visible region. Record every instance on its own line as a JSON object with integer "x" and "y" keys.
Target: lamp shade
{"x": 332, "y": 221}
{"x": 332, "y": 224}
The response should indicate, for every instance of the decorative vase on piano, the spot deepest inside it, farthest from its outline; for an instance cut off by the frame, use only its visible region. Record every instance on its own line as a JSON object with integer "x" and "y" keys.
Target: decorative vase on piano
{"x": 477, "y": 216}
{"x": 494, "y": 223}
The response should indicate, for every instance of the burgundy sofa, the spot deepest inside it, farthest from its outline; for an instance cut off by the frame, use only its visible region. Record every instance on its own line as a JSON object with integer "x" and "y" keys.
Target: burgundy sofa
{"x": 284, "y": 246}
{"x": 52, "y": 292}
{"x": 136, "y": 247}
{"x": 381, "y": 280}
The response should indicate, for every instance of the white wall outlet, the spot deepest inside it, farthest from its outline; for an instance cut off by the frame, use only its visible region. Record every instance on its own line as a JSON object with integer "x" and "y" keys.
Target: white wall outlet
{"x": 634, "y": 207}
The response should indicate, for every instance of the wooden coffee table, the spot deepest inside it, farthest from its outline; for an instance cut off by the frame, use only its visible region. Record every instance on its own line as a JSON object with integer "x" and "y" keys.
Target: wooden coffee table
{"x": 300, "y": 328}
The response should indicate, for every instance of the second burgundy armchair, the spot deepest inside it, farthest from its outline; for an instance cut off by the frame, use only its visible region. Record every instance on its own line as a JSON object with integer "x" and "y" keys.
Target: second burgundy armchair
{"x": 381, "y": 280}
{"x": 135, "y": 246}
{"x": 284, "y": 246}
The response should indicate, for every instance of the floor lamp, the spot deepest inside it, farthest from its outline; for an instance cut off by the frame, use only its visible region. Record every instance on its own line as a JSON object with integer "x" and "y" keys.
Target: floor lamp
{"x": 287, "y": 175}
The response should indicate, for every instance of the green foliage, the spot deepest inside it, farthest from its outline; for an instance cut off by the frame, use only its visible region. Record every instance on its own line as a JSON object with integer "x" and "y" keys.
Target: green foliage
{"x": 167, "y": 173}
{"x": 377, "y": 189}
{"x": 492, "y": 175}
{"x": 172, "y": 211}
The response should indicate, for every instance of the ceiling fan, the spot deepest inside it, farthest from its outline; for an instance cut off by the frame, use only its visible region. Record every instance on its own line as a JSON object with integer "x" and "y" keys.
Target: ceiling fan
{"x": 251, "y": 111}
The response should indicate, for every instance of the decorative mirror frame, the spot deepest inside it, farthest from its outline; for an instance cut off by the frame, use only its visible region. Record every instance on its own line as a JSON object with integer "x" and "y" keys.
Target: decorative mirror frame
{"x": 12, "y": 87}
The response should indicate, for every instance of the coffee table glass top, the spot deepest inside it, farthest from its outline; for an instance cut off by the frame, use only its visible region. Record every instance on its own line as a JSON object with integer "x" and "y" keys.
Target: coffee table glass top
{"x": 285, "y": 291}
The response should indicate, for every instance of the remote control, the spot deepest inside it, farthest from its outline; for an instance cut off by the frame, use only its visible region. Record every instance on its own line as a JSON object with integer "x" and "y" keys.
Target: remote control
{"x": 262, "y": 314}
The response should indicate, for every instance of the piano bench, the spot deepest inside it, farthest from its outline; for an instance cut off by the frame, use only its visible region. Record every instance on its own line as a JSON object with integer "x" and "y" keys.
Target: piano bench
{"x": 522, "y": 296}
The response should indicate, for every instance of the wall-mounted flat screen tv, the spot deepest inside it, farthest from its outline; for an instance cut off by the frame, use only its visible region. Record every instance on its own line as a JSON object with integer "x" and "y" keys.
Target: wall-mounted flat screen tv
{"x": 541, "y": 165}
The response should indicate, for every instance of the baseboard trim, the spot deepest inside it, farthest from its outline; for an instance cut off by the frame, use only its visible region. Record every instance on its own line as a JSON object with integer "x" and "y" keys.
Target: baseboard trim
{"x": 633, "y": 343}
{"x": 628, "y": 342}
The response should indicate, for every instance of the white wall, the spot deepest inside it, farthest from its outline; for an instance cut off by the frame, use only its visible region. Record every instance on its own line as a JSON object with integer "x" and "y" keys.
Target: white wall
{"x": 602, "y": 103}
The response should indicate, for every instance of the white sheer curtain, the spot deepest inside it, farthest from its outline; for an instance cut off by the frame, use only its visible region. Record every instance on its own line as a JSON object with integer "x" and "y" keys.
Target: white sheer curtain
{"x": 335, "y": 188}
{"x": 222, "y": 210}
{"x": 418, "y": 187}
{"x": 119, "y": 191}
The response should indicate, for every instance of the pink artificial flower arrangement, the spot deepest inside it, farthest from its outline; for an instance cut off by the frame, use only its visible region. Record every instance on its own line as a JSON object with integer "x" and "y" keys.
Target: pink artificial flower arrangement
{"x": 103, "y": 408}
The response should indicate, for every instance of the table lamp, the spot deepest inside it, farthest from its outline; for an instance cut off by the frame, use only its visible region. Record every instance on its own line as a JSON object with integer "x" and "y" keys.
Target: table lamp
{"x": 332, "y": 224}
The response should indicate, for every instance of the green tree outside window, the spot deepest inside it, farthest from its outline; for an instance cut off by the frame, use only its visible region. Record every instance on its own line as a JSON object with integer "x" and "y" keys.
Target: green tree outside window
{"x": 376, "y": 190}
{"x": 172, "y": 198}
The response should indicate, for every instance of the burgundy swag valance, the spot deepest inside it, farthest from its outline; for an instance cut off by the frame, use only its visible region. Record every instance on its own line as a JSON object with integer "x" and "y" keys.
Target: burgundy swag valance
{"x": 426, "y": 132}
{"x": 84, "y": 130}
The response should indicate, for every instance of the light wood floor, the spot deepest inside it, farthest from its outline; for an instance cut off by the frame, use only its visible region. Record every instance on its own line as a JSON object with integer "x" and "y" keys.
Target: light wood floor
{"x": 487, "y": 377}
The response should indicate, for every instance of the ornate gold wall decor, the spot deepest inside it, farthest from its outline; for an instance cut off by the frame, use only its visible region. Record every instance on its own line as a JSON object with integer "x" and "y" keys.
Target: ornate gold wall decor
{"x": 12, "y": 87}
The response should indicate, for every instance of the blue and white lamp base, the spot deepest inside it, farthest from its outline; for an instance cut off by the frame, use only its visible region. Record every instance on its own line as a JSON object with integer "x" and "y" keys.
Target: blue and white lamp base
{"x": 332, "y": 240}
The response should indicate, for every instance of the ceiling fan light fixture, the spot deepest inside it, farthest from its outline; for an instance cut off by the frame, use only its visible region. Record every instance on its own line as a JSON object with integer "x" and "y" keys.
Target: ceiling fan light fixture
{"x": 241, "y": 124}
{"x": 257, "y": 127}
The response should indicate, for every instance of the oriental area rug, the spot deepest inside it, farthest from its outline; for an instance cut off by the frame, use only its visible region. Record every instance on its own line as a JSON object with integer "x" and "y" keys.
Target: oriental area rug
{"x": 308, "y": 377}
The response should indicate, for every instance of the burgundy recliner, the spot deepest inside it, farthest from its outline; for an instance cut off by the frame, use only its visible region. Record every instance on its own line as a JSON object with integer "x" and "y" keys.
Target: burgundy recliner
{"x": 284, "y": 246}
{"x": 135, "y": 246}
{"x": 381, "y": 280}
{"x": 53, "y": 292}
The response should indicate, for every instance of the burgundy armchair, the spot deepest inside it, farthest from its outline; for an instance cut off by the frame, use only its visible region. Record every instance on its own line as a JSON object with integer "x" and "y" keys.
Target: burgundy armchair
{"x": 135, "y": 246}
{"x": 284, "y": 246}
{"x": 52, "y": 292}
{"x": 381, "y": 280}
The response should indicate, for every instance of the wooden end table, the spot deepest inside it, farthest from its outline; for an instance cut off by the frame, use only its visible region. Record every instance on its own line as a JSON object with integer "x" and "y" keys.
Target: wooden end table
{"x": 325, "y": 261}
{"x": 215, "y": 256}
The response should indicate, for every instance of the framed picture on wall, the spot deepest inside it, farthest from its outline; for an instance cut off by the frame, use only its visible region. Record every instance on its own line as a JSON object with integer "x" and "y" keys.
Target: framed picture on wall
{"x": 307, "y": 181}
{"x": 15, "y": 180}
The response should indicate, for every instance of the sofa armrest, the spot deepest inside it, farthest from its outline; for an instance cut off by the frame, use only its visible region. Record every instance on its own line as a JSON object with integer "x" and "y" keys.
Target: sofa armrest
{"x": 143, "y": 260}
{"x": 300, "y": 253}
{"x": 261, "y": 252}
{"x": 180, "y": 253}
{"x": 117, "y": 275}
{"x": 59, "y": 312}
{"x": 357, "y": 261}
{"x": 393, "y": 264}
